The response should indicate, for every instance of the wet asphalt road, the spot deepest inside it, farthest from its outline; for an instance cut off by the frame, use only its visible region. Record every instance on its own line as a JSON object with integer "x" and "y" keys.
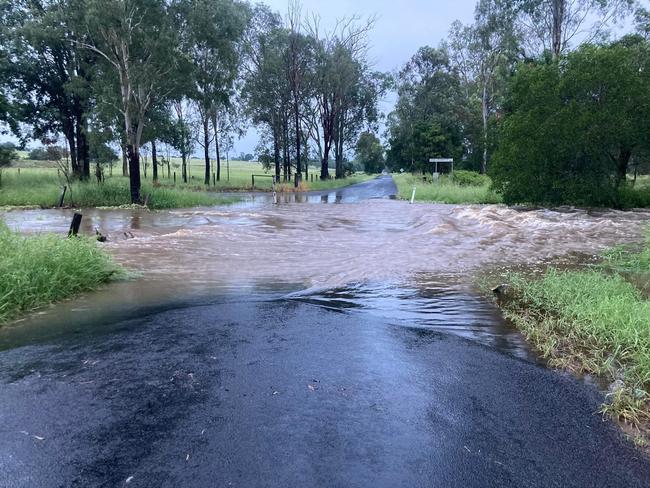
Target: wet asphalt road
{"x": 284, "y": 393}
{"x": 261, "y": 390}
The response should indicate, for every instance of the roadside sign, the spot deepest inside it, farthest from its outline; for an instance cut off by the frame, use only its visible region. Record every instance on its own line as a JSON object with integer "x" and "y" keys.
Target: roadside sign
{"x": 437, "y": 161}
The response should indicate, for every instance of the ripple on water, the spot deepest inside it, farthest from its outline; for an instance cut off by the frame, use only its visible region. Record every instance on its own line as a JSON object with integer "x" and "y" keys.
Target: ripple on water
{"x": 369, "y": 256}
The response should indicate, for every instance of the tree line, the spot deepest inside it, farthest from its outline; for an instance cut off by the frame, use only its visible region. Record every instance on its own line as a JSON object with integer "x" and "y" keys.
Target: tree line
{"x": 187, "y": 73}
{"x": 535, "y": 93}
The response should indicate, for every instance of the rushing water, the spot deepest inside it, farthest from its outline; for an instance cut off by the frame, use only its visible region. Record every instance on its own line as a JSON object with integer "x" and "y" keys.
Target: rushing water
{"x": 345, "y": 250}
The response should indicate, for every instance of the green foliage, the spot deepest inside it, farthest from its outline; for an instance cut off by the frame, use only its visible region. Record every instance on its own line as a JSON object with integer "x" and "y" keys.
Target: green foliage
{"x": 370, "y": 153}
{"x": 7, "y": 156}
{"x": 428, "y": 118}
{"x": 573, "y": 125}
{"x": 445, "y": 190}
{"x": 594, "y": 321}
{"x": 470, "y": 178}
{"x": 38, "y": 270}
{"x": 49, "y": 153}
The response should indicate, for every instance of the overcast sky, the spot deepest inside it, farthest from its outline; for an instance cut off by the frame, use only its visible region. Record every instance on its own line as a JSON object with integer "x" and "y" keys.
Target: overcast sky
{"x": 402, "y": 27}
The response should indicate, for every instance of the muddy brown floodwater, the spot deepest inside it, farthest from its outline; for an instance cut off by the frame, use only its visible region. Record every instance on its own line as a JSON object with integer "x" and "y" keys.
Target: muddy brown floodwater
{"x": 347, "y": 250}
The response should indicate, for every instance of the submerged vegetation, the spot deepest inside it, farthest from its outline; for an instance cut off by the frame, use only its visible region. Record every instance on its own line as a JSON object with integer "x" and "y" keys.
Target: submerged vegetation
{"x": 37, "y": 270}
{"x": 464, "y": 187}
{"x": 594, "y": 321}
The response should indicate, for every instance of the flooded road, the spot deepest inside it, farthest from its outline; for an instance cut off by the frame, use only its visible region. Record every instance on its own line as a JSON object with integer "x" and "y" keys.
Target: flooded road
{"x": 329, "y": 339}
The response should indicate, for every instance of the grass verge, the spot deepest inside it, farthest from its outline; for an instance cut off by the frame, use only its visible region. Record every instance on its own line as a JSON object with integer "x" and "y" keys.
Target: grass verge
{"x": 42, "y": 186}
{"x": 445, "y": 190}
{"x": 39, "y": 187}
{"x": 41, "y": 269}
{"x": 594, "y": 321}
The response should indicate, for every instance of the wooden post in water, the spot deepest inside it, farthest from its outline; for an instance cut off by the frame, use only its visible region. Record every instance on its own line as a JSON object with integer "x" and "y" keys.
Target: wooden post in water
{"x": 75, "y": 224}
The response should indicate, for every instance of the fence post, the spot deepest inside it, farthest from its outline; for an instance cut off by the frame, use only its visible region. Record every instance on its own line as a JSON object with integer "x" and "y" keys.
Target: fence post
{"x": 253, "y": 181}
{"x": 65, "y": 187}
{"x": 74, "y": 225}
{"x": 174, "y": 177}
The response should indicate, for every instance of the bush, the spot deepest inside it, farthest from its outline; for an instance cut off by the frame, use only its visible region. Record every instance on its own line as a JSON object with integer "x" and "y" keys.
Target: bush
{"x": 41, "y": 269}
{"x": 630, "y": 197}
{"x": 444, "y": 191}
{"x": 7, "y": 156}
{"x": 571, "y": 126}
{"x": 49, "y": 153}
{"x": 470, "y": 178}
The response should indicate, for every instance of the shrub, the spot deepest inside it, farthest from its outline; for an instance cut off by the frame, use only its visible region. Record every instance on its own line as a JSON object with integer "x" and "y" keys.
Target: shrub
{"x": 470, "y": 178}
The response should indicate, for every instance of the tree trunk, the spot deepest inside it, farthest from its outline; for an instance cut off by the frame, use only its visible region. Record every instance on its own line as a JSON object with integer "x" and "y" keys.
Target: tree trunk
{"x": 154, "y": 161}
{"x": 484, "y": 108}
{"x": 276, "y": 156}
{"x": 133, "y": 153}
{"x": 216, "y": 145}
{"x": 296, "y": 110}
{"x": 559, "y": 10}
{"x": 206, "y": 150}
{"x": 83, "y": 156}
{"x": 621, "y": 166}
{"x": 324, "y": 165}
{"x": 125, "y": 164}
{"x": 184, "y": 167}
{"x": 72, "y": 145}
{"x": 306, "y": 161}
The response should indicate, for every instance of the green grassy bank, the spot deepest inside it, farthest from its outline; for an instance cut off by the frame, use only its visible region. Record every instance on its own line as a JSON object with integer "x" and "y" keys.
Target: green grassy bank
{"x": 41, "y": 187}
{"x": 37, "y": 270}
{"x": 465, "y": 187}
{"x": 594, "y": 321}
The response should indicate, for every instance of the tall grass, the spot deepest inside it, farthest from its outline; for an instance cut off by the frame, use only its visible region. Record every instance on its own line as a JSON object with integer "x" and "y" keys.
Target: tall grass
{"x": 42, "y": 188}
{"x": 595, "y": 321}
{"x": 444, "y": 190}
{"x": 41, "y": 269}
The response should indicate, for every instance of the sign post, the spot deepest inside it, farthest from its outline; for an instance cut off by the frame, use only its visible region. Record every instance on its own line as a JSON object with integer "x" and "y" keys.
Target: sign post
{"x": 442, "y": 160}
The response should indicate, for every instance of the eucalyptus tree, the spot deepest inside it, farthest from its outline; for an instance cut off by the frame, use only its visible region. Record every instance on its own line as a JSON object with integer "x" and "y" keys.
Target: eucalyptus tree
{"x": 485, "y": 53}
{"x": 554, "y": 25}
{"x": 343, "y": 89}
{"x": 211, "y": 36}
{"x": 642, "y": 22}
{"x": 358, "y": 109}
{"x": 427, "y": 119}
{"x": 267, "y": 90}
{"x": 370, "y": 153}
{"x": 180, "y": 135}
{"x": 47, "y": 74}
{"x": 299, "y": 57}
{"x": 136, "y": 43}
